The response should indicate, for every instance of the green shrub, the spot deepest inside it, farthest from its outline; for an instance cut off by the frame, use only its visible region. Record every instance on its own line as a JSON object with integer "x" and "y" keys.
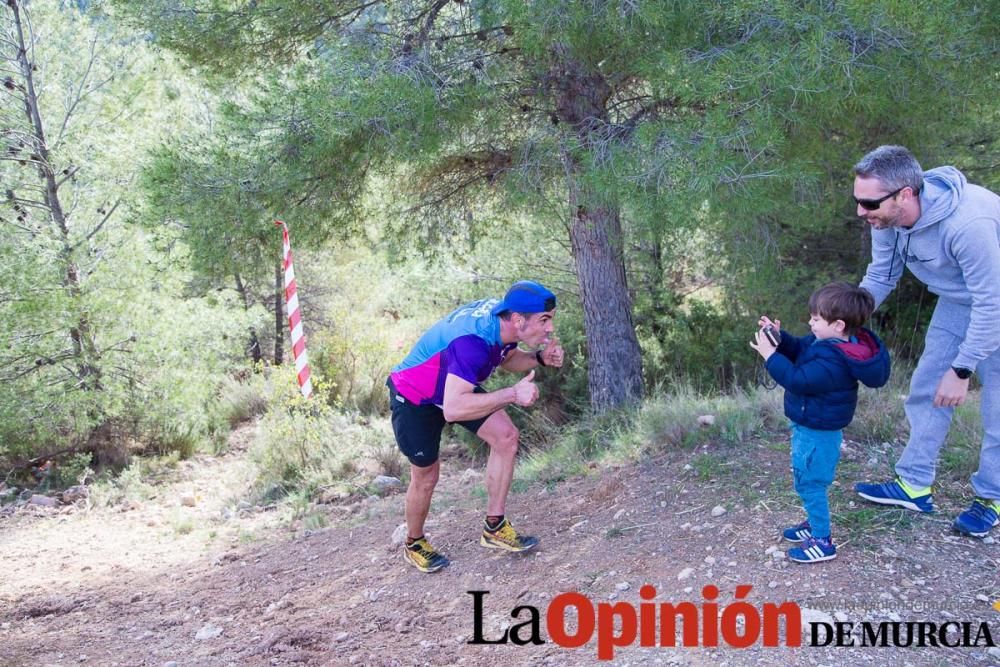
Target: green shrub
{"x": 694, "y": 343}
{"x": 241, "y": 400}
{"x": 707, "y": 466}
{"x": 72, "y": 470}
{"x": 130, "y": 484}
{"x": 355, "y": 358}
{"x": 304, "y": 445}
{"x": 168, "y": 437}
{"x": 386, "y": 454}
{"x": 880, "y": 416}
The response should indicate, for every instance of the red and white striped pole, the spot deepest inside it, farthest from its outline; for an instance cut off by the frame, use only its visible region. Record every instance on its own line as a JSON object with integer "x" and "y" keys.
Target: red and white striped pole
{"x": 294, "y": 316}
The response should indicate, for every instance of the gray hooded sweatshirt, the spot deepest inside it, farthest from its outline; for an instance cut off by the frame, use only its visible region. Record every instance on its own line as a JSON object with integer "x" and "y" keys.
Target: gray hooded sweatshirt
{"x": 954, "y": 249}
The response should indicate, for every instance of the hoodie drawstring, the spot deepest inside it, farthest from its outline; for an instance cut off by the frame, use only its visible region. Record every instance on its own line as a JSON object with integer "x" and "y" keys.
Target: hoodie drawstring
{"x": 892, "y": 258}
{"x": 895, "y": 249}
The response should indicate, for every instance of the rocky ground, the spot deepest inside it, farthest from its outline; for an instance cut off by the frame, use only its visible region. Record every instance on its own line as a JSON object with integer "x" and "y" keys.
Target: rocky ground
{"x": 188, "y": 576}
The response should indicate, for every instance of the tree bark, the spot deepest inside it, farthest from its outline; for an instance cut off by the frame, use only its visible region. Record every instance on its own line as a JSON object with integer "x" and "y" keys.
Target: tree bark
{"x": 614, "y": 370}
{"x": 81, "y": 334}
{"x": 279, "y": 320}
{"x": 254, "y": 343}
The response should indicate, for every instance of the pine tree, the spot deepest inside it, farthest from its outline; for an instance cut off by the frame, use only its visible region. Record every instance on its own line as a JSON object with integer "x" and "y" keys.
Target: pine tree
{"x": 637, "y": 117}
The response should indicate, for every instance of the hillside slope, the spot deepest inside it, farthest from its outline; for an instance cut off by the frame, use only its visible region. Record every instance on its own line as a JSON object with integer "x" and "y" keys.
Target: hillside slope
{"x": 159, "y": 583}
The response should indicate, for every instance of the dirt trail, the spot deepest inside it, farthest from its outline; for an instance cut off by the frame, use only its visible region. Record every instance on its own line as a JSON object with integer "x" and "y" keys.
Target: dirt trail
{"x": 162, "y": 583}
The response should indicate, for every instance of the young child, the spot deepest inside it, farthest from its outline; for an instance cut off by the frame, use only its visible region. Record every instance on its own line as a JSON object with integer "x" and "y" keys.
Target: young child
{"x": 820, "y": 374}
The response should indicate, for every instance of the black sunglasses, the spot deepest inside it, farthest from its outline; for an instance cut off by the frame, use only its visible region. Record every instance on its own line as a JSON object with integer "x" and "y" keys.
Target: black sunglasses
{"x": 873, "y": 204}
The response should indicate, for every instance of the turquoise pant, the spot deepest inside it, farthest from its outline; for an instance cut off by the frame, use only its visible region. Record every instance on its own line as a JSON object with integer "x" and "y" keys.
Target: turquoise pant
{"x": 814, "y": 460}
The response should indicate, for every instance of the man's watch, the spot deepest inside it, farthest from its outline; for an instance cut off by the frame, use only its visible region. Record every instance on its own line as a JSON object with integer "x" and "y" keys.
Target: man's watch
{"x": 962, "y": 373}
{"x": 538, "y": 358}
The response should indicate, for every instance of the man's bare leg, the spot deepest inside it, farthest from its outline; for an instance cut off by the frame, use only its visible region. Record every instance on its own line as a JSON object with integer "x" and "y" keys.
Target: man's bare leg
{"x": 501, "y": 435}
{"x": 418, "y": 497}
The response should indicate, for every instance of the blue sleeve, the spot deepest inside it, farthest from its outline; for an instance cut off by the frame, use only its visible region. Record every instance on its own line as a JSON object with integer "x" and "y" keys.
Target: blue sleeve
{"x": 792, "y": 346}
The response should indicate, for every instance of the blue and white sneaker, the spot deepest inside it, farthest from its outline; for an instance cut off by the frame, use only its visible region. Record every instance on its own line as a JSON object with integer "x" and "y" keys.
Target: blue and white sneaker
{"x": 898, "y": 493}
{"x": 978, "y": 519}
{"x": 798, "y": 533}
{"x": 813, "y": 550}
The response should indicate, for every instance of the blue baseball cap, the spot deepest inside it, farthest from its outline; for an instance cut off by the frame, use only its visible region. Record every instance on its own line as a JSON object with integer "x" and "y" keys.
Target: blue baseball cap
{"x": 526, "y": 296}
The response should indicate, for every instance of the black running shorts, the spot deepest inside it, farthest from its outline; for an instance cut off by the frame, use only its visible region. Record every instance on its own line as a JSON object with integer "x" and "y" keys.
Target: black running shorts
{"x": 418, "y": 427}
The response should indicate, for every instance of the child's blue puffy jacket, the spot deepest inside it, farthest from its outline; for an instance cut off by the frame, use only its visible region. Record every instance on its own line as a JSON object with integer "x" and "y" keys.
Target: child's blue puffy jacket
{"x": 821, "y": 377}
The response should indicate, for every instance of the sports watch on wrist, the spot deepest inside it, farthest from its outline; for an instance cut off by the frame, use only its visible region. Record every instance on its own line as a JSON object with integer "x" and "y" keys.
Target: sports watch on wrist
{"x": 962, "y": 373}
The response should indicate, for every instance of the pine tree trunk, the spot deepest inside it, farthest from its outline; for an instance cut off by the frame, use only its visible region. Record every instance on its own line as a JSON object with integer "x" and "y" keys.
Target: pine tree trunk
{"x": 279, "y": 311}
{"x": 254, "y": 342}
{"x": 614, "y": 370}
{"x": 614, "y": 360}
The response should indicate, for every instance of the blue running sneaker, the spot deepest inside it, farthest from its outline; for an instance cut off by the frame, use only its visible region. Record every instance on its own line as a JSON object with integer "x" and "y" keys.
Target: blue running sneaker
{"x": 894, "y": 493}
{"x": 978, "y": 519}
{"x": 813, "y": 550}
{"x": 798, "y": 533}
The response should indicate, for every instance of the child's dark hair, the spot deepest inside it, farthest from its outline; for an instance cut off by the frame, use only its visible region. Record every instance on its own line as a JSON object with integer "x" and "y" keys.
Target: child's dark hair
{"x": 841, "y": 301}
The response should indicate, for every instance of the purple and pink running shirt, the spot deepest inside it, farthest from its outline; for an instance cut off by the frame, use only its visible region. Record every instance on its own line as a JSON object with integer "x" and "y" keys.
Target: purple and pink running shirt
{"x": 466, "y": 343}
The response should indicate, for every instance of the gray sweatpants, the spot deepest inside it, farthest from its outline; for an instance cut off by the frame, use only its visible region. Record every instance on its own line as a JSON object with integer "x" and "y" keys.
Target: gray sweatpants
{"x": 929, "y": 425}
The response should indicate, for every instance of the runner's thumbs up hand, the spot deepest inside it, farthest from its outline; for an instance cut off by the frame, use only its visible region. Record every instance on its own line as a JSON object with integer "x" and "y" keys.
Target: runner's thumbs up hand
{"x": 526, "y": 391}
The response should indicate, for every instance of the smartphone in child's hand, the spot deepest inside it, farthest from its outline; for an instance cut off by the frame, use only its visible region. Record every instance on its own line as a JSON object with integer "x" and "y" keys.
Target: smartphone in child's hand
{"x": 772, "y": 335}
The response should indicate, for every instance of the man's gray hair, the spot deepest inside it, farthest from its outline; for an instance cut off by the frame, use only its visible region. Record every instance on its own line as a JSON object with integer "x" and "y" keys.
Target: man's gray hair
{"x": 894, "y": 166}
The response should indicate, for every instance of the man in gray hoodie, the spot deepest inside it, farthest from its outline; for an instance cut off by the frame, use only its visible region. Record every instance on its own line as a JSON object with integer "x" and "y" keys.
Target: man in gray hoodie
{"x": 947, "y": 232}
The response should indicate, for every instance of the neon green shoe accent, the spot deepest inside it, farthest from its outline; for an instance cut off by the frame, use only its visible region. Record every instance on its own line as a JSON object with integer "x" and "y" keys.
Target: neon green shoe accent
{"x": 913, "y": 491}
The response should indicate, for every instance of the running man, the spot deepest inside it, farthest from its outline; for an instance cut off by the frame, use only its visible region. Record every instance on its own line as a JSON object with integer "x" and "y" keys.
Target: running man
{"x": 439, "y": 382}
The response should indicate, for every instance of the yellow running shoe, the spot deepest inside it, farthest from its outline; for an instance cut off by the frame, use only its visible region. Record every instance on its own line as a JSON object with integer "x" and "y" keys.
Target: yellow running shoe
{"x": 422, "y": 556}
{"x": 505, "y": 537}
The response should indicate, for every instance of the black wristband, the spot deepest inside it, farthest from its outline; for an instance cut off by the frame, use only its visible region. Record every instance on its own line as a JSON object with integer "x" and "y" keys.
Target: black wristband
{"x": 962, "y": 373}
{"x": 538, "y": 358}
